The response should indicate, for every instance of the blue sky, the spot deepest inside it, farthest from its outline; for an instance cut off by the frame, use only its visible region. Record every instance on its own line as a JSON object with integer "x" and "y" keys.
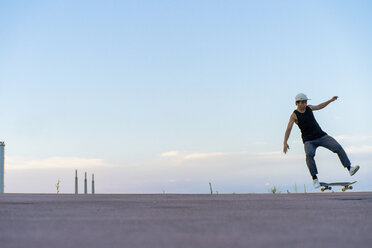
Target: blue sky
{"x": 171, "y": 95}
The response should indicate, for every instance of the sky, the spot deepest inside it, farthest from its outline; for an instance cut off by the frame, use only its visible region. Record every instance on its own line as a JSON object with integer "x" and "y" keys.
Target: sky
{"x": 167, "y": 96}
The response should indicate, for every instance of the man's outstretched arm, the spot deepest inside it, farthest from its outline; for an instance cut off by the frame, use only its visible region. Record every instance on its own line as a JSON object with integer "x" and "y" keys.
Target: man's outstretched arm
{"x": 324, "y": 104}
{"x": 288, "y": 132}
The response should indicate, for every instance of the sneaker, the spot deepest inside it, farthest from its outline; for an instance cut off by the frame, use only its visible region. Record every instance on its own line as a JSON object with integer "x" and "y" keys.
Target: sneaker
{"x": 353, "y": 170}
{"x": 316, "y": 183}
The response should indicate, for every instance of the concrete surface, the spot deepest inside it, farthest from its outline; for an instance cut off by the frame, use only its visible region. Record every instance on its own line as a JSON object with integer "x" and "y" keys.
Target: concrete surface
{"x": 241, "y": 220}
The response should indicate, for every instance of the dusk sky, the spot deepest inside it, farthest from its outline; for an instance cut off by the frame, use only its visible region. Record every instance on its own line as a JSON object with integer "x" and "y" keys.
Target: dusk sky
{"x": 167, "y": 96}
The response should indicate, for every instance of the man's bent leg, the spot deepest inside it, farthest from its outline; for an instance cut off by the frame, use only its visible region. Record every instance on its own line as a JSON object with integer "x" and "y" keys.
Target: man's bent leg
{"x": 310, "y": 149}
{"x": 331, "y": 144}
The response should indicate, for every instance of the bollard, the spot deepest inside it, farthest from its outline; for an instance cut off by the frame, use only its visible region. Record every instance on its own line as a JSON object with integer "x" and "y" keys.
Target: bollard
{"x": 76, "y": 183}
{"x": 93, "y": 191}
{"x": 85, "y": 184}
{"x": 2, "y": 170}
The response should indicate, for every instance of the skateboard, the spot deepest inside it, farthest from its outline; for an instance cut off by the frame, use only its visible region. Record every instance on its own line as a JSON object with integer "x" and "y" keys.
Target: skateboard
{"x": 345, "y": 185}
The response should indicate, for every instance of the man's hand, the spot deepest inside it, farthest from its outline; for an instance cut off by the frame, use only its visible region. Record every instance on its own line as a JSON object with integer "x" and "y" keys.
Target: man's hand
{"x": 334, "y": 98}
{"x": 285, "y": 148}
{"x": 292, "y": 120}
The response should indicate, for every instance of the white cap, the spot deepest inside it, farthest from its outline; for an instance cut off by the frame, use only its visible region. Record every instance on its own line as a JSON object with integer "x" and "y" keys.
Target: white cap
{"x": 301, "y": 97}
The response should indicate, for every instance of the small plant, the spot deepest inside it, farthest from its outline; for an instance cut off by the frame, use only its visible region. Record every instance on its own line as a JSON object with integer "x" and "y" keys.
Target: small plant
{"x": 275, "y": 190}
{"x": 58, "y": 185}
{"x": 210, "y": 187}
{"x": 288, "y": 191}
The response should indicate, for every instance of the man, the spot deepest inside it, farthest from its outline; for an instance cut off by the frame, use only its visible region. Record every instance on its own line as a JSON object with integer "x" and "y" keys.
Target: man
{"x": 313, "y": 136}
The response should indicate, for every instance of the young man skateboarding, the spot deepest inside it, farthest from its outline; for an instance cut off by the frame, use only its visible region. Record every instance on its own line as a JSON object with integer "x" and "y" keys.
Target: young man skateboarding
{"x": 313, "y": 136}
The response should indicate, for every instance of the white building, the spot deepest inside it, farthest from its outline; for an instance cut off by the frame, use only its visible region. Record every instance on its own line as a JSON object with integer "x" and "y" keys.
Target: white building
{"x": 2, "y": 150}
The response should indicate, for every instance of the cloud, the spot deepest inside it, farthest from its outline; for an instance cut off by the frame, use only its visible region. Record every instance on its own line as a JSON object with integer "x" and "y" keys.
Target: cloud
{"x": 356, "y": 139}
{"x": 359, "y": 150}
{"x": 195, "y": 156}
{"x": 270, "y": 154}
{"x": 170, "y": 154}
{"x": 363, "y": 147}
{"x": 180, "y": 156}
{"x": 18, "y": 163}
{"x": 235, "y": 166}
{"x": 179, "y": 171}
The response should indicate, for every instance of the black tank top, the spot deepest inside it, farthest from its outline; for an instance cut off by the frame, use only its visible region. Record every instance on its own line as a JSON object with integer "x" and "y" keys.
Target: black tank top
{"x": 310, "y": 129}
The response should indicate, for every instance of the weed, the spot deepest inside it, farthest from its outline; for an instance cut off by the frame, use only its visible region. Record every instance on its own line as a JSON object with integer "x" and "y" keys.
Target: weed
{"x": 275, "y": 190}
{"x": 58, "y": 185}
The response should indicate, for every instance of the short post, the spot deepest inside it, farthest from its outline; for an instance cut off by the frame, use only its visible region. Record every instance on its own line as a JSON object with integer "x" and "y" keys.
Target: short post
{"x": 76, "y": 183}
{"x": 93, "y": 191}
{"x": 85, "y": 184}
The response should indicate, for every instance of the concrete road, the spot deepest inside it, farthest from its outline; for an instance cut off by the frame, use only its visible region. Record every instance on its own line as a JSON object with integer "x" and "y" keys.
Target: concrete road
{"x": 241, "y": 220}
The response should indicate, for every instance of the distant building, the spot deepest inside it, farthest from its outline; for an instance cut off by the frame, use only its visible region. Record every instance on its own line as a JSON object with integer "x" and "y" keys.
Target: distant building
{"x": 2, "y": 162}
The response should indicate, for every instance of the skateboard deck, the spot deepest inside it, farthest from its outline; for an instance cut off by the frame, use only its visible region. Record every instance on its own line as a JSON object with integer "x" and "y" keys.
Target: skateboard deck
{"x": 345, "y": 185}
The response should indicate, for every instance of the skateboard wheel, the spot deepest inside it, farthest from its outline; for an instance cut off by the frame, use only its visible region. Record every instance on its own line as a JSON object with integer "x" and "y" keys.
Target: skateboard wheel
{"x": 343, "y": 189}
{"x": 322, "y": 189}
{"x": 330, "y": 188}
{"x": 350, "y": 187}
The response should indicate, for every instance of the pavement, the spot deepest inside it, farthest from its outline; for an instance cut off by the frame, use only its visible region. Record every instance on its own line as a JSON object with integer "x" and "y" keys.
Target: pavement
{"x": 186, "y": 220}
